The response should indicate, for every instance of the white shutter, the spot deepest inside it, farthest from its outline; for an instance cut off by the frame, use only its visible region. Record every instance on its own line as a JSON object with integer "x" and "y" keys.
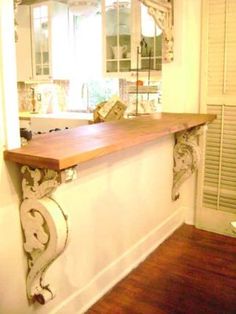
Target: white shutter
{"x": 221, "y": 47}
{"x": 219, "y": 191}
{"x": 219, "y": 188}
{"x": 230, "y": 60}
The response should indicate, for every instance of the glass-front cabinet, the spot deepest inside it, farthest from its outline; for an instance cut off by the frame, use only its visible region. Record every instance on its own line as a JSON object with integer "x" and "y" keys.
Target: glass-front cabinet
{"x": 131, "y": 38}
{"x": 118, "y": 36}
{"x": 40, "y": 21}
{"x": 49, "y": 30}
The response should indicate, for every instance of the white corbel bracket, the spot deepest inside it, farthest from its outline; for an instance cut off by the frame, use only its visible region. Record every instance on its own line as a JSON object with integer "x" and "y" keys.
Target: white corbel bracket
{"x": 186, "y": 157}
{"x": 44, "y": 225}
{"x": 161, "y": 11}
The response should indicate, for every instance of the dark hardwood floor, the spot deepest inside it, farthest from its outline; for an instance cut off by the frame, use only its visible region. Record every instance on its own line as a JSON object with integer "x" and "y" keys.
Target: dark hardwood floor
{"x": 192, "y": 272}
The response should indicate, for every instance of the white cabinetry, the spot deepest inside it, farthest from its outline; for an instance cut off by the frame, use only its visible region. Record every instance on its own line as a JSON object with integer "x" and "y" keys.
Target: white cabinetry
{"x": 131, "y": 39}
{"x": 49, "y": 24}
{"x": 43, "y": 41}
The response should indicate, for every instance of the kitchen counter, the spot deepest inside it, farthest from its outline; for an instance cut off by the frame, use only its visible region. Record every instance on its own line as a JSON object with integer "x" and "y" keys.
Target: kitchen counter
{"x": 43, "y": 122}
{"x": 64, "y": 149}
{"x": 26, "y": 115}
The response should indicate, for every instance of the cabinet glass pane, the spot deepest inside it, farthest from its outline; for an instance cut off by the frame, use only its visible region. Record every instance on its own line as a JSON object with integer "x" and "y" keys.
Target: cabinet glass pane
{"x": 37, "y": 35}
{"x": 46, "y": 70}
{"x": 38, "y": 70}
{"x": 158, "y": 64}
{"x": 44, "y": 34}
{"x": 147, "y": 63}
{"x": 118, "y": 35}
{"x": 45, "y": 57}
{"x": 124, "y": 66}
{"x": 112, "y": 66}
{"x": 40, "y": 35}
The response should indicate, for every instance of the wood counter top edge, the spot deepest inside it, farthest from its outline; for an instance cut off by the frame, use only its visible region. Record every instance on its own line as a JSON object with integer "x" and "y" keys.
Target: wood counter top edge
{"x": 21, "y": 155}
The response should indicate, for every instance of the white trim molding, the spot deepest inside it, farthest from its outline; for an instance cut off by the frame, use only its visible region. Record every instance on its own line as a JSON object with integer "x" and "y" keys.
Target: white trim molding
{"x": 186, "y": 157}
{"x": 44, "y": 225}
{"x": 161, "y": 11}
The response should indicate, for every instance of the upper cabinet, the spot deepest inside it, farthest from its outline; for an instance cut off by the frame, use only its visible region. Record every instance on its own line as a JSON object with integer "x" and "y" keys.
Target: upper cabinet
{"x": 133, "y": 39}
{"x": 49, "y": 24}
{"x": 47, "y": 53}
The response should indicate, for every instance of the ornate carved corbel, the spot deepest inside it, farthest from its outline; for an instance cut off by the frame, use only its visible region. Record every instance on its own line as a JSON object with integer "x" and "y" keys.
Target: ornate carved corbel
{"x": 186, "y": 157}
{"x": 161, "y": 11}
{"x": 44, "y": 225}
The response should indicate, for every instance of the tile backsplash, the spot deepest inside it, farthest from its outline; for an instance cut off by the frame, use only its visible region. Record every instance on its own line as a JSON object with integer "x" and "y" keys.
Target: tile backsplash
{"x": 49, "y": 97}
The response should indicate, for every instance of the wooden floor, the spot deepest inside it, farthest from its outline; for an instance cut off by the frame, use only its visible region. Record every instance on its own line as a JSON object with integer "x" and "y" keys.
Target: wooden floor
{"x": 193, "y": 272}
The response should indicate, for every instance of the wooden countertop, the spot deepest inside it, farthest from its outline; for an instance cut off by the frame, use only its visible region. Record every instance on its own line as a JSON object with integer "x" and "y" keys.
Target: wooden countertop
{"x": 63, "y": 149}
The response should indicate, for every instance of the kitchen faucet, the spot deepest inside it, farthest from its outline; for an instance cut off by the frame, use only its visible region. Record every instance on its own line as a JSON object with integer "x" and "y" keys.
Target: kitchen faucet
{"x": 85, "y": 93}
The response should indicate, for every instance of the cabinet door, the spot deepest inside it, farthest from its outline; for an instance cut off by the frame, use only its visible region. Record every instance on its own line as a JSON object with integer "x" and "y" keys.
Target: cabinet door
{"x": 23, "y": 44}
{"x": 40, "y": 41}
{"x": 131, "y": 39}
{"x": 50, "y": 40}
{"x": 117, "y": 30}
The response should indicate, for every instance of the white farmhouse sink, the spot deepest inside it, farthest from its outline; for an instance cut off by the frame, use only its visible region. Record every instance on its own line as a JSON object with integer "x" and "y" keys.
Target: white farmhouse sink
{"x": 46, "y": 122}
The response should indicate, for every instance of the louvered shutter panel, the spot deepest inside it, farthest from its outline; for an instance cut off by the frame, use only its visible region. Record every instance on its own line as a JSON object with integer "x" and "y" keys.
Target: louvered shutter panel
{"x": 219, "y": 190}
{"x": 216, "y": 43}
{"x": 230, "y": 60}
{"x": 222, "y": 47}
{"x": 220, "y": 160}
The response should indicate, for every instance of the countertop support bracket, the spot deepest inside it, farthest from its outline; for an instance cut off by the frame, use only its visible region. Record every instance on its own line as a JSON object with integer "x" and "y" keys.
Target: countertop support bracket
{"x": 162, "y": 13}
{"x": 44, "y": 225}
{"x": 186, "y": 157}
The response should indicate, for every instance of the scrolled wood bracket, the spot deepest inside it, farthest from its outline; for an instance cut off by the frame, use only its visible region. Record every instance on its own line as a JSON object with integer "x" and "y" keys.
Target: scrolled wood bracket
{"x": 161, "y": 11}
{"x": 186, "y": 157}
{"x": 44, "y": 225}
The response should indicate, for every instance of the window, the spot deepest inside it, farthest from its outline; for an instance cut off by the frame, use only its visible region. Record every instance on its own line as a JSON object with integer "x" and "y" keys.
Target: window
{"x": 87, "y": 86}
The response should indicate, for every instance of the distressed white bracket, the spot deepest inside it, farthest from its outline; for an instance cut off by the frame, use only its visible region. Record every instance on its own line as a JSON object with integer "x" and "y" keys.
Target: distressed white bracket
{"x": 233, "y": 226}
{"x": 186, "y": 157}
{"x": 161, "y": 11}
{"x": 45, "y": 227}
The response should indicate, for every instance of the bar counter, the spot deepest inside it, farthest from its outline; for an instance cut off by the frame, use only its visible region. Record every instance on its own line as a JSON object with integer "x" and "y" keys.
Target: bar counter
{"x": 132, "y": 192}
{"x": 63, "y": 149}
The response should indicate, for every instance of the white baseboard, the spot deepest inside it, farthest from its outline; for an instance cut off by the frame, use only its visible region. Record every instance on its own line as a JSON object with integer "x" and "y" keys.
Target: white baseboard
{"x": 189, "y": 215}
{"x": 84, "y": 298}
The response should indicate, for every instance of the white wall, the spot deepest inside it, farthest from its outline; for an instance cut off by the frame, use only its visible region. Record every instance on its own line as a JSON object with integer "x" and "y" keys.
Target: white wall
{"x": 180, "y": 78}
{"x": 109, "y": 233}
